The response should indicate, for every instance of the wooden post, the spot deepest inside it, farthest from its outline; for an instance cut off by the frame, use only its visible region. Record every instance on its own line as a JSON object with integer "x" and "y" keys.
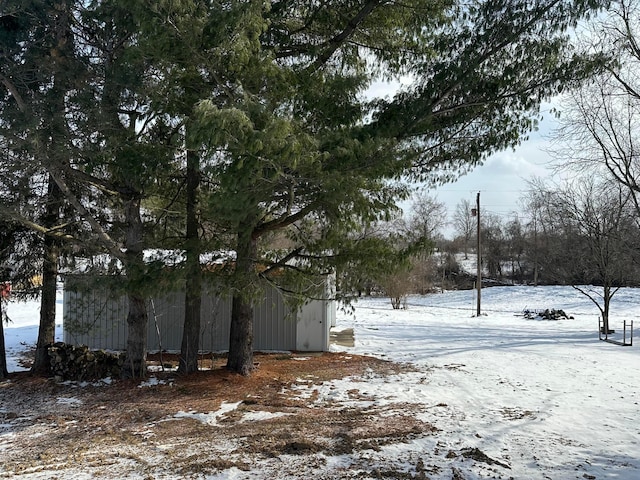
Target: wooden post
{"x": 479, "y": 256}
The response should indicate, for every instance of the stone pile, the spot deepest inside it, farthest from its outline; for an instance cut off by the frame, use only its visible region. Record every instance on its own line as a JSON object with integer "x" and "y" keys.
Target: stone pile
{"x": 70, "y": 362}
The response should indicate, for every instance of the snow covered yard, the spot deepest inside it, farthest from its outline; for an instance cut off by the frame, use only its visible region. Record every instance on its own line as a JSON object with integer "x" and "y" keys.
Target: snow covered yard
{"x": 545, "y": 397}
{"x": 495, "y": 396}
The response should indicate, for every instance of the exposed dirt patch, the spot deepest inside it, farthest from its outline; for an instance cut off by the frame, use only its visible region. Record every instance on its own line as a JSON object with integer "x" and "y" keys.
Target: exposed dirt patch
{"x": 181, "y": 426}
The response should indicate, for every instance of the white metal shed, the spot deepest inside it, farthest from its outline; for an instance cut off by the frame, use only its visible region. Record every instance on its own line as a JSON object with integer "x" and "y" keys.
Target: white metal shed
{"x": 98, "y": 320}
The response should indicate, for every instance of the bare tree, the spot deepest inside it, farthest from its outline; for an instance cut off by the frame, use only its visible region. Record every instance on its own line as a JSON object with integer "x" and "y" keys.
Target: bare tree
{"x": 516, "y": 248}
{"x": 424, "y": 225}
{"x": 547, "y": 230}
{"x": 599, "y": 134}
{"x": 494, "y": 242}
{"x": 534, "y": 203}
{"x": 427, "y": 217}
{"x": 397, "y": 287}
{"x": 599, "y": 120}
{"x": 593, "y": 229}
{"x": 464, "y": 223}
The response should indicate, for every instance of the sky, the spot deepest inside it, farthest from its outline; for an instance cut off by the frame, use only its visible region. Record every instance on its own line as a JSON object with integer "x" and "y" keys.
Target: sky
{"x": 502, "y": 179}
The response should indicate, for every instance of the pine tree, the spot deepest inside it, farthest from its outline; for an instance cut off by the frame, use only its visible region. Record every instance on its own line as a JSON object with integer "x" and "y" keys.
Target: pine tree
{"x": 37, "y": 49}
{"x": 270, "y": 101}
{"x": 184, "y": 43}
{"x": 124, "y": 155}
{"x": 81, "y": 116}
{"x": 303, "y": 152}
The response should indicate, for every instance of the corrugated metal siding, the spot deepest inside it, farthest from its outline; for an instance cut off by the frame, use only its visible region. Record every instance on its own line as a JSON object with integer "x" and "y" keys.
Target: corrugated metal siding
{"x": 166, "y": 316}
{"x": 274, "y": 326}
{"x": 95, "y": 320}
{"x": 215, "y": 321}
{"x": 92, "y": 318}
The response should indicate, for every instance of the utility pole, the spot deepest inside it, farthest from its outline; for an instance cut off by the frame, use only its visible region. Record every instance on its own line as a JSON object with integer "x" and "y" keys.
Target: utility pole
{"x": 479, "y": 256}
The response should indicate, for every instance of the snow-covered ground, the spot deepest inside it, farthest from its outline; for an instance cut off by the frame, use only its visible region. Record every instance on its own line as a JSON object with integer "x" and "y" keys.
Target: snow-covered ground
{"x": 546, "y": 396}
{"x": 546, "y": 399}
{"x": 21, "y": 332}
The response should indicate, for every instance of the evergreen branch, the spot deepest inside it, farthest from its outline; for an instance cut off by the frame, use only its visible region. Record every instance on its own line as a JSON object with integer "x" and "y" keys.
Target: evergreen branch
{"x": 109, "y": 243}
{"x": 285, "y": 220}
{"x": 327, "y": 256}
{"x": 36, "y": 227}
{"x": 473, "y": 66}
{"x": 99, "y": 183}
{"x": 322, "y": 5}
{"x": 105, "y": 239}
{"x": 336, "y": 42}
{"x": 172, "y": 201}
{"x": 282, "y": 262}
{"x": 297, "y": 293}
{"x": 14, "y": 92}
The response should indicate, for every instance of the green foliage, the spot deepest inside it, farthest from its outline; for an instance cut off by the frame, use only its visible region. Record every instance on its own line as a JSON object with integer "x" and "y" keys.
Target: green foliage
{"x": 20, "y": 259}
{"x": 480, "y": 88}
{"x": 108, "y": 96}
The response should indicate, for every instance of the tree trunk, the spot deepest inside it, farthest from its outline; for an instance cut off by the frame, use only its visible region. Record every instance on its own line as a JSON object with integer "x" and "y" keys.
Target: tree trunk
{"x": 240, "y": 358}
{"x": 135, "y": 364}
{"x": 47, "y": 328}
{"x": 535, "y": 255}
{"x": 56, "y": 134}
{"x": 606, "y": 300}
{"x": 193, "y": 282}
{"x": 4, "y": 373}
{"x": 241, "y": 336}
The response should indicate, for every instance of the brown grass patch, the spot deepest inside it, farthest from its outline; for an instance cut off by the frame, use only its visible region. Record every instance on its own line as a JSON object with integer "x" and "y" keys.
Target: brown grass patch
{"x": 127, "y": 429}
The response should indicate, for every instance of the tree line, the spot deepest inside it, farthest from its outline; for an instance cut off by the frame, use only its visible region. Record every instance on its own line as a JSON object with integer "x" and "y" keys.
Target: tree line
{"x": 581, "y": 232}
{"x": 246, "y": 133}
